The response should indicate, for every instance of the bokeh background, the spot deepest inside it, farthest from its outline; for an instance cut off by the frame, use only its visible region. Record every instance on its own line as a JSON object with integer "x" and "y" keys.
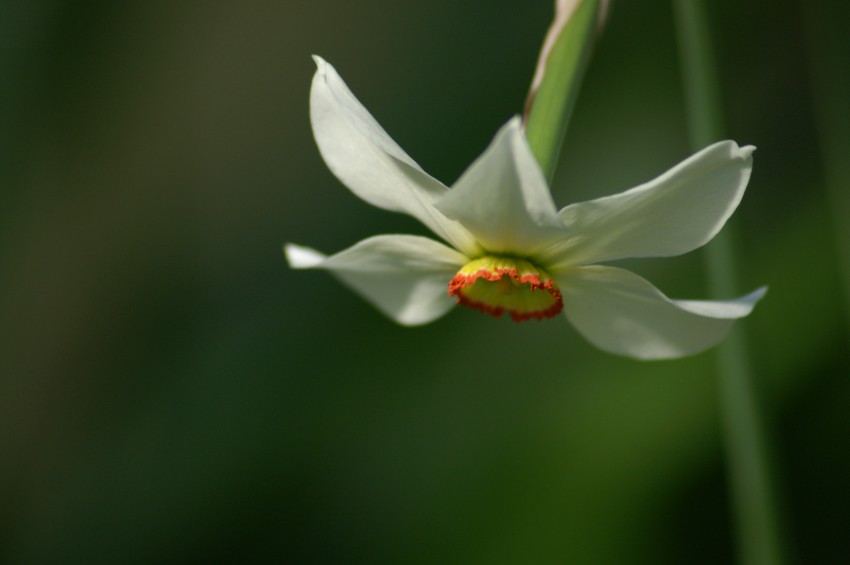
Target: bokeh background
{"x": 171, "y": 392}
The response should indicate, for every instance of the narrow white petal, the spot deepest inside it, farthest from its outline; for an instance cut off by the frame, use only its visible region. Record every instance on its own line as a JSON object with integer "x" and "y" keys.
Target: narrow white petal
{"x": 503, "y": 198}
{"x": 302, "y": 257}
{"x": 366, "y": 160}
{"x": 675, "y": 213}
{"x": 622, "y": 313}
{"x": 404, "y": 276}
{"x": 726, "y": 309}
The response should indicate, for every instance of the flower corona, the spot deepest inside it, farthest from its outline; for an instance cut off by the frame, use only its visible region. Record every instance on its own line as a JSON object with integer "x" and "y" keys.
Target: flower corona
{"x": 495, "y": 285}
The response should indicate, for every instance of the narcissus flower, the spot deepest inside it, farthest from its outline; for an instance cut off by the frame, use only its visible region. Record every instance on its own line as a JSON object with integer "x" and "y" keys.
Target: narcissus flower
{"x": 511, "y": 251}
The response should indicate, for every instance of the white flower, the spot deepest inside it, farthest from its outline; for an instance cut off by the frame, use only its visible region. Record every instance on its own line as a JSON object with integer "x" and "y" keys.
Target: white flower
{"x": 512, "y": 250}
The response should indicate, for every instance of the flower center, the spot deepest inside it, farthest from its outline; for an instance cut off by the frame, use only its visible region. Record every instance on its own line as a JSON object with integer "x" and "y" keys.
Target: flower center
{"x": 495, "y": 285}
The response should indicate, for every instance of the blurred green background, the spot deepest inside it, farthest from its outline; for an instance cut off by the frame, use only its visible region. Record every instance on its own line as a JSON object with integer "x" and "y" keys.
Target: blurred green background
{"x": 171, "y": 392}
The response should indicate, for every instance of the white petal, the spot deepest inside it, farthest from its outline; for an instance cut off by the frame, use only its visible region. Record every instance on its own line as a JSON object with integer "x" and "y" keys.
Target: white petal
{"x": 622, "y": 313}
{"x": 302, "y": 257}
{"x": 369, "y": 162}
{"x": 405, "y": 276}
{"x": 503, "y": 198}
{"x": 673, "y": 214}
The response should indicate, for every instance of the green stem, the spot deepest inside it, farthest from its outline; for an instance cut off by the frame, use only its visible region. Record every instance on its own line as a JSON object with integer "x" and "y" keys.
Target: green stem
{"x": 756, "y": 516}
{"x": 560, "y": 70}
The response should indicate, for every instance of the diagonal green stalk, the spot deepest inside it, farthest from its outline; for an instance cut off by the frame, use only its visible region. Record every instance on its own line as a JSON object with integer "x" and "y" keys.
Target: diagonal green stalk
{"x": 754, "y": 505}
{"x": 563, "y": 59}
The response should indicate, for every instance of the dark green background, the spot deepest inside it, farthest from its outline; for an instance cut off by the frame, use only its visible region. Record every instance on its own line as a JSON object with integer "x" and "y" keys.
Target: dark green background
{"x": 171, "y": 392}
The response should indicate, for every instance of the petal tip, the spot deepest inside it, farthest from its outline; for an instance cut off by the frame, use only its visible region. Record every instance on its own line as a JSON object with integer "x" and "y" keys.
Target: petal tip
{"x": 515, "y": 122}
{"x": 510, "y": 129}
{"x": 300, "y": 257}
{"x": 736, "y": 151}
{"x": 757, "y": 294}
{"x": 320, "y": 63}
